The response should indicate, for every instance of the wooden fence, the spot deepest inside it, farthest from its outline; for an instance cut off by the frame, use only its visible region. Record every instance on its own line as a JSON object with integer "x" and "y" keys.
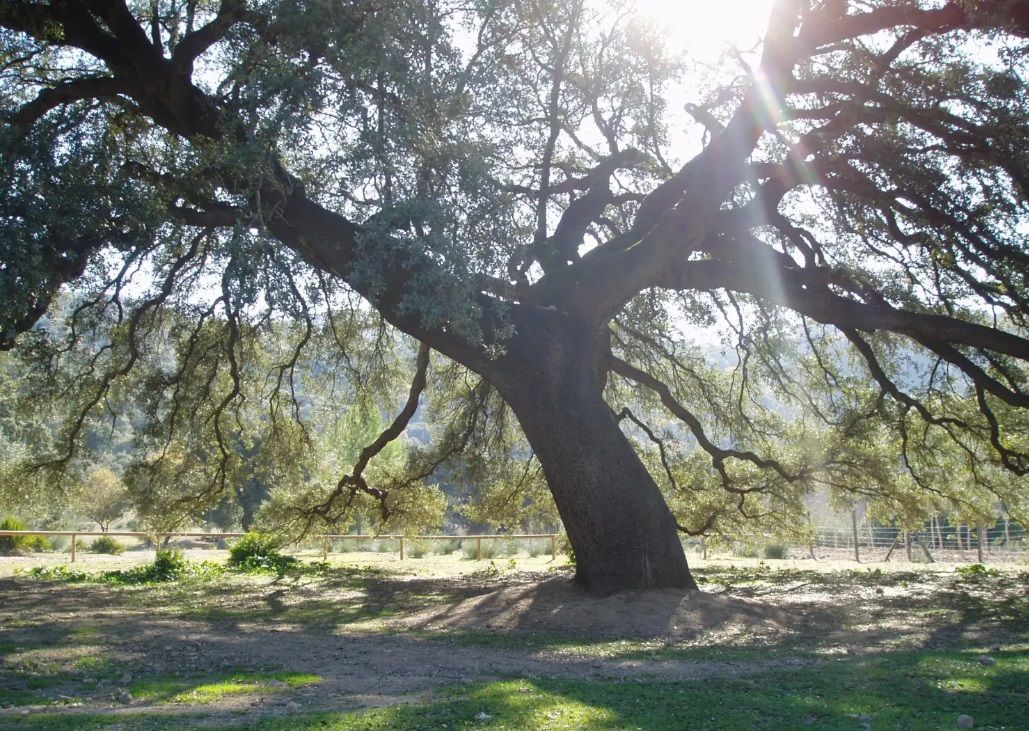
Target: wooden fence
{"x": 325, "y": 538}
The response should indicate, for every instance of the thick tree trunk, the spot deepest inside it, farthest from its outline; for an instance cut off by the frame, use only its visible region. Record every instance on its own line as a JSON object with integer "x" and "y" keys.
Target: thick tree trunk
{"x": 623, "y": 534}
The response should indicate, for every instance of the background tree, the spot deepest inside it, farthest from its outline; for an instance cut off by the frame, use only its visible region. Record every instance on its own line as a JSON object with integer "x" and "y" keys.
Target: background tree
{"x": 102, "y": 497}
{"x": 495, "y": 180}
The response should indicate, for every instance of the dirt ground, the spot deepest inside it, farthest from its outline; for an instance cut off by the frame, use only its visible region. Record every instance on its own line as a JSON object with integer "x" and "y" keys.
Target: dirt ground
{"x": 380, "y": 632}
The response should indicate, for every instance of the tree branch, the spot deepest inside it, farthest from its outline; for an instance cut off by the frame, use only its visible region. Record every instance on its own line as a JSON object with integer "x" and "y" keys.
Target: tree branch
{"x": 355, "y": 481}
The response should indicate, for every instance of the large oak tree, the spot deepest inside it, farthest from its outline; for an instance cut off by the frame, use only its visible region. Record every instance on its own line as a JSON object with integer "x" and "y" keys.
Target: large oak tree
{"x": 494, "y": 179}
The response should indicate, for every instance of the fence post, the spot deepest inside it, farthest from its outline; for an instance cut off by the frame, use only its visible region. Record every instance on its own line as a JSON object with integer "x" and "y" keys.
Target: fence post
{"x": 853, "y": 525}
{"x": 74, "y": 540}
{"x": 979, "y": 544}
{"x": 478, "y": 548}
{"x": 925, "y": 550}
{"x": 401, "y": 548}
{"x": 907, "y": 543}
{"x": 553, "y": 546}
{"x": 325, "y": 550}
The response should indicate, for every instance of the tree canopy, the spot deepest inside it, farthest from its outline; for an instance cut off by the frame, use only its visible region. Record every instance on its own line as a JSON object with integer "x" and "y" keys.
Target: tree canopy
{"x": 497, "y": 196}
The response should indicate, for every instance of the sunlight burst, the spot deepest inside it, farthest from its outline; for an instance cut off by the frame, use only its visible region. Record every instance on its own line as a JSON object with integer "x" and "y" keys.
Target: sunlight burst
{"x": 707, "y": 27}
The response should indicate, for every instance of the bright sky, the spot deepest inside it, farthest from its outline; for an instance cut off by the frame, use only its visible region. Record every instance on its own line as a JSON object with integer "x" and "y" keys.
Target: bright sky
{"x": 707, "y": 27}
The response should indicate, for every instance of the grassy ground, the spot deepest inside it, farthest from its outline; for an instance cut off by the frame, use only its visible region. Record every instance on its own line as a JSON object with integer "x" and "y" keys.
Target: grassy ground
{"x": 338, "y": 647}
{"x": 909, "y": 690}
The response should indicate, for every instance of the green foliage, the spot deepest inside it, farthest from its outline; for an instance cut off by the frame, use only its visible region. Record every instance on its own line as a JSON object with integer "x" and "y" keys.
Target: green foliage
{"x": 60, "y": 572}
{"x": 259, "y": 552}
{"x": 418, "y": 548}
{"x": 976, "y": 573}
{"x": 168, "y": 565}
{"x": 205, "y": 689}
{"x": 108, "y": 545}
{"x": 775, "y": 551}
{"x": 449, "y": 546}
{"x": 461, "y": 166}
{"x": 564, "y": 547}
{"x": 102, "y": 497}
{"x": 744, "y": 549}
{"x": 12, "y": 544}
{"x": 490, "y": 549}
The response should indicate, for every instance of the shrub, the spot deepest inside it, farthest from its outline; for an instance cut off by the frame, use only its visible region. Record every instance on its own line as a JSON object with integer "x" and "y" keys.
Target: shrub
{"x": 417, "y": 548}
{"x": 169, "y": 564}
{"x": 508, "y": 547}
{"x": 744, "y": 550}
{"x": 976, "y": 572}
{"x": 775, "y": 550}
{"x": 108, "y": 545}
{"x": 447, "y": 547}
{"x": 259, "y": 552}
{"x": 41, "y": 544}
{"x": 10, "y": 544}
{"x": 57, "y": 573}
{"x": 490, "y": 549}
{"x": 252, "y": 545}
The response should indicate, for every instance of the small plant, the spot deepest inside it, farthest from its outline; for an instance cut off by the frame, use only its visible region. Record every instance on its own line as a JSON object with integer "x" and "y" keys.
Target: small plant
{"x": 489, "y": 550}
{"x": 976, "y": 572}
{"x": 259, "y": 552}
{"x": 418, "y": 548}
{"x": 57, "y": 573}
{"x": 775, "y": 551}
{"x": 169, "y": 564}
{"x": 40, "y": 544}
{"x": 744, "y": 550}
{"x": 108, "y": 545}
{"x": 508, "y": 547}
{"x": 445, "y": 548}
{"x": 536, "y": 547}
{"x": 13, "y": 544}
{"x": 252, "y": 545}
{"x": 564, "y": 546}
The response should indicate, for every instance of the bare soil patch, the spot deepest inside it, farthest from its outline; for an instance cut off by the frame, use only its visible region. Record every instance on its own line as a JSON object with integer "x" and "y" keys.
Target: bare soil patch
{"x": 557, "y": 606}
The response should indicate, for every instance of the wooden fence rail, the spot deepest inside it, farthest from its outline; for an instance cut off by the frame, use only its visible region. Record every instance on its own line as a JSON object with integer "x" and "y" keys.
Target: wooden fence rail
{"x": 326, "y": 538}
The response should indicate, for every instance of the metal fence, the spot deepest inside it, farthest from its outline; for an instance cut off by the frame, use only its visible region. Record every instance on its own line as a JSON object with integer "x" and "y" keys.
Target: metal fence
{"x": 930, "y": 543}
{"x": 869, "y": 543}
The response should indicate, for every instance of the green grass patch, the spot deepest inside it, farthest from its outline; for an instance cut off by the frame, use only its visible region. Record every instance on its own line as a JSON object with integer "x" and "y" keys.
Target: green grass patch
{"x": 917, "y": 691}
{"x": 202, "y": 689}
{"x": 105, "y": 722}
{"x": 18, "y": 698}
{"x": 92, "y": 664}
